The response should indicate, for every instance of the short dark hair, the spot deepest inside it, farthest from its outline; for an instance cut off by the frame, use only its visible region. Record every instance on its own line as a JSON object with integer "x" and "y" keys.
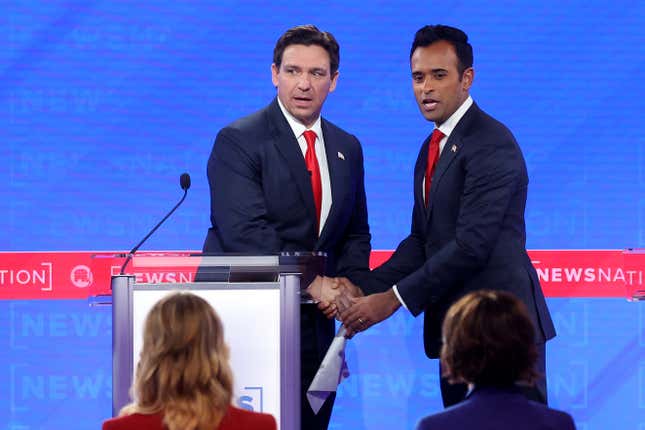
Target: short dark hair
{"x": 308, "y": 35}
{"x": 489, "y": 340}
{"x": 458, "y": 39}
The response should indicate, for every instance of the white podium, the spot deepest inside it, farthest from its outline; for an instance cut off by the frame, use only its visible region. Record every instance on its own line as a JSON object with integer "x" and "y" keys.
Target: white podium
{"x": 258, "y": 299}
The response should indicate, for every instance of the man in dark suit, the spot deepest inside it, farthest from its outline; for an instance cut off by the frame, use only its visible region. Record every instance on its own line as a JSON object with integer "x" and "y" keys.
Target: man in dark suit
{"x": 470, "y": 187}
{"x": 285, "y": 179}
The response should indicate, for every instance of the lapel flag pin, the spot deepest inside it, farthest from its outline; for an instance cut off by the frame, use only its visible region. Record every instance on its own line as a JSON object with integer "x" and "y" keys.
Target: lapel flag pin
{"x": 454, "y": 148}
{"x": 340, "y": 155}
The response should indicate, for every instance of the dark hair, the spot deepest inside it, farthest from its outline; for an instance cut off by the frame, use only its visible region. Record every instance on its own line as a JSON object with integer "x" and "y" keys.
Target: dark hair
{"x": 488, "y": 340}
{"x": 308, "y": 35}
{"x": 458, "y": 39}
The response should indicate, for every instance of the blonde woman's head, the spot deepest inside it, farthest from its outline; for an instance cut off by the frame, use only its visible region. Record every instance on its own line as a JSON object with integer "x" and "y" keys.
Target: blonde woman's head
{"x": 183, "y": 369}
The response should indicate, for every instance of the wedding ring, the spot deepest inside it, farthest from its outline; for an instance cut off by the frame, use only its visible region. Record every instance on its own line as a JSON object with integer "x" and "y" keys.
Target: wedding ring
{"x": 360, "y": 321}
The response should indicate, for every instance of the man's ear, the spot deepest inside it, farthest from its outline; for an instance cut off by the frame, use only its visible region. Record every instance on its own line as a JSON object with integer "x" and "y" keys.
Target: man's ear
{"x": 467, "y": 78}
{"x": 274, "y": 74}
{"x": 334, "y": 80}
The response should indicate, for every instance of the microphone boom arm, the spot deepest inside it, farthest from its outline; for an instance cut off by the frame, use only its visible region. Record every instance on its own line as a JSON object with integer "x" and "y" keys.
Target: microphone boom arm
{"x": 136, "y": 248}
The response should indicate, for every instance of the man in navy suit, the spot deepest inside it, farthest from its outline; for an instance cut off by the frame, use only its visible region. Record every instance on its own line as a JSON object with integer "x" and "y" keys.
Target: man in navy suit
{"x": 285, "y": 179}
{"x": 498, "y": 323}
{"x": 468, "y": 232}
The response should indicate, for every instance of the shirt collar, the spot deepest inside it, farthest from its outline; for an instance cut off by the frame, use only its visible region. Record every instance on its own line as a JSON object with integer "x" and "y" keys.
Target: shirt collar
{"x": 297, "y": 127}
{"x": 449, "y": 125}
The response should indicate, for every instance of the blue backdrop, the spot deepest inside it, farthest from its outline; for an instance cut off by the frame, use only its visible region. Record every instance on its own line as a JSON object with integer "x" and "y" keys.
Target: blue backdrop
{"x": 104, "y": 103}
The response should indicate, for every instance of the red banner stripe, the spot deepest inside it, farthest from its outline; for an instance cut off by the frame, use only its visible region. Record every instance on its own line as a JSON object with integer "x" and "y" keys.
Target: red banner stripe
{"x": 78, "y": 275}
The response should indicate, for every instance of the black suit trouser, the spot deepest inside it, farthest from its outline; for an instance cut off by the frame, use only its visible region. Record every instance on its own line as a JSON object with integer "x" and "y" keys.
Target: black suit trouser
{"x": 316, "y": 334}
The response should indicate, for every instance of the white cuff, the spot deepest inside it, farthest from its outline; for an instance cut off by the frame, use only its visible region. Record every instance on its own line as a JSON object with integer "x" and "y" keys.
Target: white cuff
{"x": 398, "y": 296}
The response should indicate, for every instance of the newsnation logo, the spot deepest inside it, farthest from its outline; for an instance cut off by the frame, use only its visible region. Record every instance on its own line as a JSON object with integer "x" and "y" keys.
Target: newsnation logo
{"x": 79, "y": 275}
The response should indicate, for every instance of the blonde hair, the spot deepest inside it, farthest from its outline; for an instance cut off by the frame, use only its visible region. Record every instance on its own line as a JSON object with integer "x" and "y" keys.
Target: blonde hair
{"x": 183, "y": 369}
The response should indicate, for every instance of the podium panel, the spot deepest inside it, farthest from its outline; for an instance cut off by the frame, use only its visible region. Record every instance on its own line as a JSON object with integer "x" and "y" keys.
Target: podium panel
{"x": 251, "y": 317}
{"x": 258, "y": 300}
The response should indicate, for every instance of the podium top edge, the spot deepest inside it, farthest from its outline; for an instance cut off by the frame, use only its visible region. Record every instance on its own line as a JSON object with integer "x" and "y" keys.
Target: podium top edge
{"x": 205, "y": 261}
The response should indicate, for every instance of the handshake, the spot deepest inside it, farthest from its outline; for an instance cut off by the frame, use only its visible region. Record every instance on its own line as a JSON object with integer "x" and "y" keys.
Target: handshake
{"x": 333, "y": 295}
{"x": 340, "y": 298}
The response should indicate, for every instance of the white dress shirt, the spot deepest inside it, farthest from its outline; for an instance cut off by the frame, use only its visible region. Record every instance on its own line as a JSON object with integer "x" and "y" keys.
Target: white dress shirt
{"x": 298, "y": 129}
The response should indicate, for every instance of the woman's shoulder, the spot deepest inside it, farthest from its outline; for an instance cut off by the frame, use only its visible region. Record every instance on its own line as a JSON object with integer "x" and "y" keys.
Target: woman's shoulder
{"x": 134, "y": 421}
{"x": 235, "y": 418}
{"x": 241, "y": 419}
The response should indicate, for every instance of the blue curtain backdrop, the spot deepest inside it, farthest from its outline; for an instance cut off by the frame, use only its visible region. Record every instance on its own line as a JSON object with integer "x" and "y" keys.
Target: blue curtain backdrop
{"x": 104, "y": 103}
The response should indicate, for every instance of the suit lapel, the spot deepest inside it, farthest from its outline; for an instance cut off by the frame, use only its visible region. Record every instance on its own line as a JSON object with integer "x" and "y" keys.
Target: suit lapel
{"x": 453, "y": 145}
{"x": 338, "y": 177}
{"x": 419, "y": 174}
{"x": 287, "y": 145}
{"x": 445, "y": 159}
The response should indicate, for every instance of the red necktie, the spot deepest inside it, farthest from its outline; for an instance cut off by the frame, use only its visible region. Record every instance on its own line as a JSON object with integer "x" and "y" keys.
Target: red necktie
{"x": 312, "y": 165}
{"x": 433, "y": 156}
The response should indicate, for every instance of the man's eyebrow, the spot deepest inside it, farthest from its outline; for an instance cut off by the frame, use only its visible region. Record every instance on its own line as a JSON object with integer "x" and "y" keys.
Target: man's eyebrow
{"x": 438, "y": 69}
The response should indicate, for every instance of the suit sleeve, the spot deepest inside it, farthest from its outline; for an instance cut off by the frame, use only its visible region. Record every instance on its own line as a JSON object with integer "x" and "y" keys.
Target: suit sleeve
{"x": 408, "y": 257}
{"x": 493, "y": 174}
{"x": 353, "y": 260}
{"x": 238, "y": 209}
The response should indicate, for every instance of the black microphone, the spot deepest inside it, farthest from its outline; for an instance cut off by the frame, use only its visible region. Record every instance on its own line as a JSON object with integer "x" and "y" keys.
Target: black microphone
{"x": 184, "y": 182}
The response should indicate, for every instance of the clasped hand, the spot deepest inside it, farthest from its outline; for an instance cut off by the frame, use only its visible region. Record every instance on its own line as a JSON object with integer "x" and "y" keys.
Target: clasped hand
{"x": 340, "y": 298}
{"x": 329, "y": 293}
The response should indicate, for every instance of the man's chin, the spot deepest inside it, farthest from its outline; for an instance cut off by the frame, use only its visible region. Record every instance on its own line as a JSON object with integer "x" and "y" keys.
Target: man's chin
{"x": 307, "y": 117}
{"x": 432, "y": 117}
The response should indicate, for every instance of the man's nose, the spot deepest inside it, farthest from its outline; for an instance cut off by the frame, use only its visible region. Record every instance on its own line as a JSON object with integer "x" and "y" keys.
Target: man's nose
{"x": 304, "y": 83}
{"x": 428, "y": 85}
